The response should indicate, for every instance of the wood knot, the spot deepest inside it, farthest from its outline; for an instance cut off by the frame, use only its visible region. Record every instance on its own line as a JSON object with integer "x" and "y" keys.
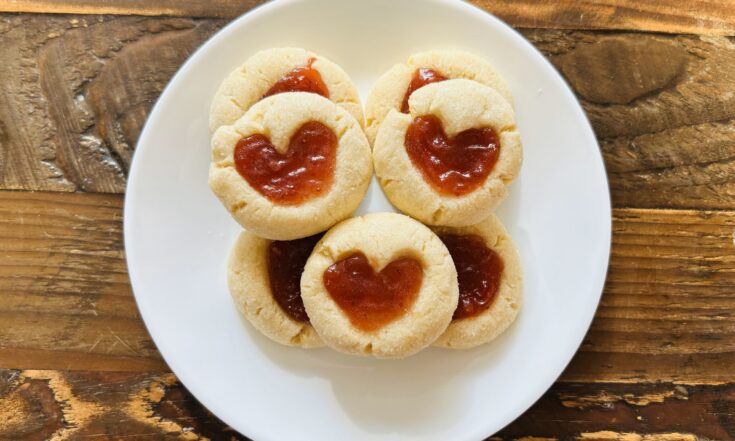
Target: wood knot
{"x": 619, "y": 70}
{"x": 30, "y": 411}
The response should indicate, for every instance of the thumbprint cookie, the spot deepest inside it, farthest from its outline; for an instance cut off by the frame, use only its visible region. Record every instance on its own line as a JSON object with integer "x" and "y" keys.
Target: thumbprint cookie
{"x": 292, "y": 166}
{"x": 490, "y": 281}
{"x": 264, "y": 279}
{"x": 394, "y": 88}
{"x": 280, "y": 70}
{"x": 449, "y": 160}
{"x": 380, "y": 284}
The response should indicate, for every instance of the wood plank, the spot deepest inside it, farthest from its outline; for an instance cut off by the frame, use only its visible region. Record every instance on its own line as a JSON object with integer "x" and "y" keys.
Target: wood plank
{"x": 57, "y": 405}
{"x": 74, "y": 102}
{"x": 77, "y": 91}
{"x": 667, "y": 313}
{"x": 692, "y": 17}
{"x": 634, "y": 412}
{"x": 176, "y": 8}
{"x": 48, "y": 404}
{"x": 66, "y": 301}
{"x": 663, "y": 111}
{"x": 714, "y": 17}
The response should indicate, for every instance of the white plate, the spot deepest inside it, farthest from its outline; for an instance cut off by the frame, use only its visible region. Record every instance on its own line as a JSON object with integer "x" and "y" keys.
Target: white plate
{"x": 177, "y": 237}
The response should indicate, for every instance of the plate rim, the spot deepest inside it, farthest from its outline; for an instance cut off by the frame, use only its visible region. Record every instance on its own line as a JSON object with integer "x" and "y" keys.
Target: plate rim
{"x": 533, "y": 394}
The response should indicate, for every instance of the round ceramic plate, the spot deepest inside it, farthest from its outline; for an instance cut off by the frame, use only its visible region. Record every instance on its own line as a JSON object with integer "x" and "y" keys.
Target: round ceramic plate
{"x": 177, "y": 237}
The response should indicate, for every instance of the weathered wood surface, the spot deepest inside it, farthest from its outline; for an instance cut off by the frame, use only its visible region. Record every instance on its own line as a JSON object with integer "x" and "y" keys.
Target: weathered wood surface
{"x": 76, "y": 97}
{"x": 668, "y": 309}
{"x": 667, "y": 313}
{"x": 663, "y": 109}
{"x": 56, "y": 406}
{"x": 76, "y": 92}
{"x": 666, "y": 316}
{"x": 657, "y": 365}
{"x": 619, "y": 412}
{"x": 672, "y": 16}
{"x": 64, "y": 405}
{"x": 65, "y": 298}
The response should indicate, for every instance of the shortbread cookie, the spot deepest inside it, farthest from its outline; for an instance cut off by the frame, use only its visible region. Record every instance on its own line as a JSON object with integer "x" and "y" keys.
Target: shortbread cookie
{"x": 280, "y": 70}
{"x": 292, "y": 166}
{"x": 380, "y": 284}
{"x": 393, "y": 89}
{"x": 450, "y": 160}
{"x": 490, "y": 283}
{"x": 264, "y": 277}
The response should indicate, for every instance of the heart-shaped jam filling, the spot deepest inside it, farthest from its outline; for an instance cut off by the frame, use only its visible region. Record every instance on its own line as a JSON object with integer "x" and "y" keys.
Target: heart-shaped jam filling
{"x": 456, "y": 166}
{"x": 300, "y": 79}
{"x": 421, "y": 77}
{"x": 286, "y": 260}
{"x": 373, "y": 299}
{"x": 304, "y": 171}
{"x": 479, "y": 270}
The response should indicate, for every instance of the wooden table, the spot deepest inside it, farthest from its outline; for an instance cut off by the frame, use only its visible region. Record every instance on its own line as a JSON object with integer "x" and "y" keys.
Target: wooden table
{"x": 657, "y": 80}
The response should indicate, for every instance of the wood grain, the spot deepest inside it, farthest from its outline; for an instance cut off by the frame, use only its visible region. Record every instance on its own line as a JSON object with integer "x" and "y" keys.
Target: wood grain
{"x": 663, "y": 111}
{"x": 177, "y": 8}
{"x": 77, "y": 91}
{"x": 692, "y": 17}
{"x": 76, "y": 98}
{"x": 617, "y": 412}
{"x": 63, "y": 405}
{"x": 657, "y": 364}
{"x": 66, "y": 301}
{"x": 56, "y": 406}
{"x": 667, "y": 16}
{"x": 667, "y": 312}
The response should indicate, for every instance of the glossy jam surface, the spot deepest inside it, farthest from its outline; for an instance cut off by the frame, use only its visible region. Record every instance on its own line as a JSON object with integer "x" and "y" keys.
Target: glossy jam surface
{"x": 286, "y": 260}
{"x": 479, "y": 270}
{"x": 300, "y": 79}
{"x": 303, "y": 172}
{"x": 421, "y": 78}
{"x": 453, "y": 167}
{"x": 373, "y": 299}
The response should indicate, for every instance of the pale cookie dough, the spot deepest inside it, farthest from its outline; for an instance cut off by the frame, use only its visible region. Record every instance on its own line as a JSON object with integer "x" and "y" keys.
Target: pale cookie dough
{"x": 382, "y": 237}
{"x": 278, "y": 117}
{"x": 247, "y": 84}
{"x": 389, "y": 90}
{"x": 460, "y": 105}
{"x": 473, "y": 331}
{"x": 247, "y": 277}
